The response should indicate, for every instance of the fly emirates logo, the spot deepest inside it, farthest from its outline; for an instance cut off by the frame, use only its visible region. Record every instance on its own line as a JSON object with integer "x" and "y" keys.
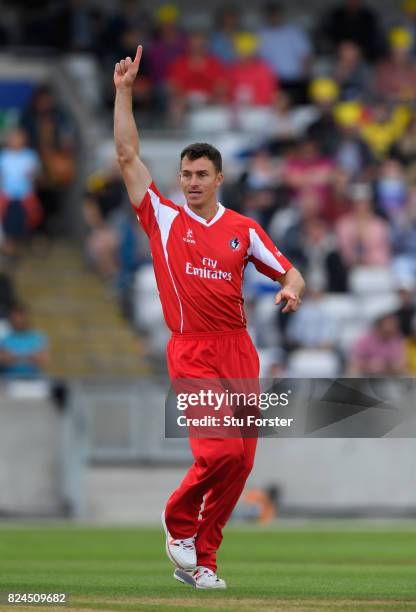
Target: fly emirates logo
{"x": 209, "y": 270}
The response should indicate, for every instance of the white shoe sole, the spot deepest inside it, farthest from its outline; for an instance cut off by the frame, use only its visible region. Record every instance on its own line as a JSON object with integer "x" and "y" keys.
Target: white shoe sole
{"x": 169, "y": 554}
{"x": 186, "y": 578}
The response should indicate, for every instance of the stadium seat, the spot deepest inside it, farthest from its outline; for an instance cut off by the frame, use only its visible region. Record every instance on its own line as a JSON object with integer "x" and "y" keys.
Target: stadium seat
{"x": 310, "y": 363}
{"x": 349, "y": 332}
{"x": 209, "y": 119}
{"x": 255, "y": 119}
{"x": 341, "y": 307}
{"x": 370, "y": 279}
{"x": 373, "y": 306}
{"x": 85, "y": 71}
{"x": 269, "y": 357}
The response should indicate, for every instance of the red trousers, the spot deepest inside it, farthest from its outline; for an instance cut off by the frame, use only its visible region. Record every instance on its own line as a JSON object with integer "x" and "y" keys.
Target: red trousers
{"x": 221, "y": 465}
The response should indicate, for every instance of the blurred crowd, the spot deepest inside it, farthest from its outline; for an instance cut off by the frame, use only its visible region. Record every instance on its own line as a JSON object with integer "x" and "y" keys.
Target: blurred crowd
{"x": 37, "y": 164}
{"x": 330, "y": 172}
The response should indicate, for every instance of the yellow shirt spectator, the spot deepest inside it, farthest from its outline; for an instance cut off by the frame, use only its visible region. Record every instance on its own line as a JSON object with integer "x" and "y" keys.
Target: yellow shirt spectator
{"x": 381, "y": 135}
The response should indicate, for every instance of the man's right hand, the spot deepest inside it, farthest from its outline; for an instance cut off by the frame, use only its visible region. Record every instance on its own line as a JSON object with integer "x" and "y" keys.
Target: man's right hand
{"x": 126, "y": 70}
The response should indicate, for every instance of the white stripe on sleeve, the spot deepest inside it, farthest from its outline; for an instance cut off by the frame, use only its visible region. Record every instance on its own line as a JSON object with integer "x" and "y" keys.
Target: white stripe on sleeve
{"x": 165, "y": 215}
{"x": 259, "y": 250}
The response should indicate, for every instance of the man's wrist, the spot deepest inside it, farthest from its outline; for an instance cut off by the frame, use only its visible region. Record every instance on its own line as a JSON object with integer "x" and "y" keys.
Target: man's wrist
{"x": 125, "y": 89}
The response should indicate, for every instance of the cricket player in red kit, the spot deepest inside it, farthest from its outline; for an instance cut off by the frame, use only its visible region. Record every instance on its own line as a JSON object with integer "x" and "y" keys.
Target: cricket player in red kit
{"x": 199, "y": 255}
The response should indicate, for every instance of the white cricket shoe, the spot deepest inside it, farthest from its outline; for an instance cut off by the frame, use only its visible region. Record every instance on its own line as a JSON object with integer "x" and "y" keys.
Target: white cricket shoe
{"x": 182, "y": 553}
{"x": 201, "y": 578}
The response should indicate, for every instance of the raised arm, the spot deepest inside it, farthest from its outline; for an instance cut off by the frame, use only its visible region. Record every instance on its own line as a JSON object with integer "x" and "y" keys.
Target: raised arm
{"x": 135, "y": 174}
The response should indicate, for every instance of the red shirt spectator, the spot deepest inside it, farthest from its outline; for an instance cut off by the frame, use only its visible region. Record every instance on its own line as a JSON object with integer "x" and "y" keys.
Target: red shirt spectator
{"x": 197, "y": 74}
{"x": 251, "y": 81}
{"x": 395, "y": 78}
{"x": 306, "y": 170}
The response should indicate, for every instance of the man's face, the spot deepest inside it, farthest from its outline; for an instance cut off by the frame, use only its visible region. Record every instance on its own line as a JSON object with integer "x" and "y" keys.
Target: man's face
{"x": 19, "y": 320}
{"x": 196, "y": 43}
{"x": 16, "y": 140}
{"x": 388, "y": 327}
{"x": 199, "y": 180}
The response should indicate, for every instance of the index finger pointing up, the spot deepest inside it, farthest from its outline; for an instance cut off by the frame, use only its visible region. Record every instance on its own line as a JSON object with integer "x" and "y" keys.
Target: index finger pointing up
{"x": 138, "y": 54}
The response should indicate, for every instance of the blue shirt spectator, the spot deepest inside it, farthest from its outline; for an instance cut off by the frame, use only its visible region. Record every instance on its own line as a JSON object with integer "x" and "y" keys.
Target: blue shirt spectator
{"x": 23, "y": 351}
{"x": 222, "y": 39}
{"x": 18, "y": 167}
{"x": 284, "y": 46}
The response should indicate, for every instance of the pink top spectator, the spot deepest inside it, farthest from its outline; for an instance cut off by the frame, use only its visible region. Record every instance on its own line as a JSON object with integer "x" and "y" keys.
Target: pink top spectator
{"x": 376, "y": 355}
{"x": 363, "y": 243}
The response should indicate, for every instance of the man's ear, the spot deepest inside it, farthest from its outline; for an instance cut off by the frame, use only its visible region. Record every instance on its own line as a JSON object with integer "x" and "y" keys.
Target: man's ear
{"x": 219, "y": 179}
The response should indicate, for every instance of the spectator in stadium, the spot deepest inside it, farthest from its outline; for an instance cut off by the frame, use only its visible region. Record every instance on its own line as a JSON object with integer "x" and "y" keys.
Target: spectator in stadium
{"x": 81, "y": 27}
{"x": 353, "y": 20}
{"x": 23, "y": 351}
{"x": 168, "y": 43}
{"x": 384, "y": 127}
{"x": 406, "y": 311}
{"x": 306, "y": 169}
{"x": 288, "y": 51}
{"x": 20, "y": 210}
{"x": 250, "y": 80}
{"x": 294, "y": 213}
{"x": 391, "y": 188}
{"x": 395, "y": 77}
{"x": 262, "y": 171}
{"x": 52, "y": 134}
{"x": 196, "y": 77}
{"x": 260, "y": 204}
{"x": 362, "y": 236}
{"x": 324, "y": 93}
{"x": 338, "y": 203}
{"x": 403, "y": 239}
{"x": 350, "y": 152}
{"x": 379, "y": 352}
{"x": 285, "y": 123}
{"x": 7, "y": 295}
{"x": 104, "y": 200}
{"x": 129, "y": 15}
{"x": 411, "y": 349}
{"x": 351, "y": 72}
{"x": 102, "y": 243}
{"x": 315, "y": 328}
{"x": 107, "y": 189}
{"x": 312, "y": 248}
{"x": 405, "y": 148}
{"x": 408, "y": 20}
{"x": 222, "y": 39}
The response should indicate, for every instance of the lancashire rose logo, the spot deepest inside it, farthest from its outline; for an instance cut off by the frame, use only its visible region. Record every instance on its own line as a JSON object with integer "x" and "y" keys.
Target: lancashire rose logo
{"x": 235, "y": 244}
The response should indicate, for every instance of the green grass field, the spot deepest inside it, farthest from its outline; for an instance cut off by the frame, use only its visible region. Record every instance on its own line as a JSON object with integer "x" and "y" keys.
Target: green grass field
{"x": 330, "y": 566}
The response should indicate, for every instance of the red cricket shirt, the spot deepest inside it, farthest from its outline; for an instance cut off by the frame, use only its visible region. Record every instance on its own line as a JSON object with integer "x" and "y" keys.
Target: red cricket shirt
{"x": 199, "y": 264}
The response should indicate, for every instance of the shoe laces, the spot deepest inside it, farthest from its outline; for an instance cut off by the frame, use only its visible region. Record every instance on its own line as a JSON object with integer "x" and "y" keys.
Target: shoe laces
{"x": 188, "y": 543}
{"x": 207, "y": 571}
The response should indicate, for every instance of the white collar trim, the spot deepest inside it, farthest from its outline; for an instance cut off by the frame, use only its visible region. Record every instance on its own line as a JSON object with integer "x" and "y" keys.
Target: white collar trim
{"x": 219, "y": 214}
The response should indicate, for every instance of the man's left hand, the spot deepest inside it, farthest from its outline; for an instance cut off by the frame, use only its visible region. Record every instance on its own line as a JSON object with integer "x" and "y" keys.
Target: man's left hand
{"x": 291, "y": 298}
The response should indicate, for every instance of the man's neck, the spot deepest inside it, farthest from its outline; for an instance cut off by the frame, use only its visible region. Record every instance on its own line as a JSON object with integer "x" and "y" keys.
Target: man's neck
{"x": 207, "y": 211}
